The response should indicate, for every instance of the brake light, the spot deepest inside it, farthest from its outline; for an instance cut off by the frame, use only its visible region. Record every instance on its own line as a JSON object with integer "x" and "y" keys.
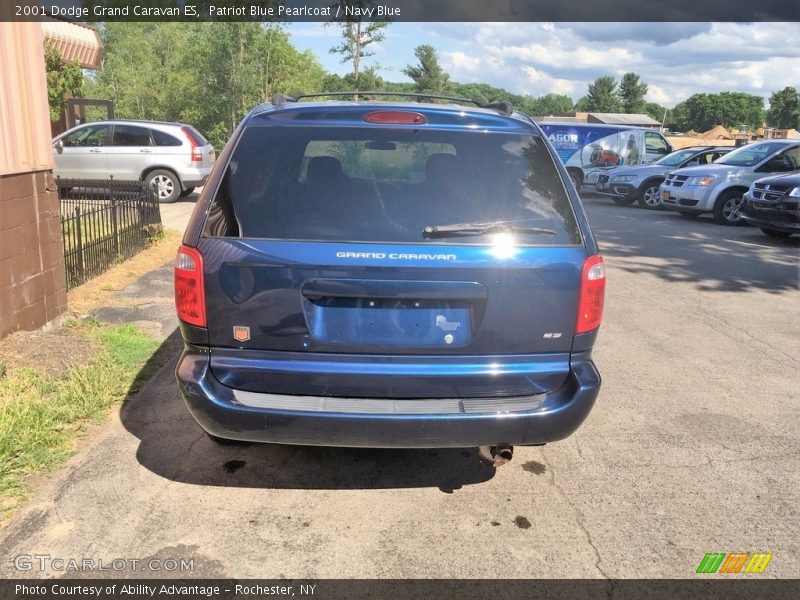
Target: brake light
{"x": 395, "y": 117}
{"x": 197, "y": 154}
{"x": 592, "y": 295}
{"x": 190, "y": 300}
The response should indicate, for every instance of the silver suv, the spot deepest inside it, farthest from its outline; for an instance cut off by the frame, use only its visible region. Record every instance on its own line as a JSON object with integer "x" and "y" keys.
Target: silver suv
{"x": 719, "y": 187}
{"x": 173, "y": 157}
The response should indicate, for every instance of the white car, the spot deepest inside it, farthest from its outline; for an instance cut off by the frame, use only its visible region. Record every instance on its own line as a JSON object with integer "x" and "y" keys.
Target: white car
{"x": 173, "y": 157}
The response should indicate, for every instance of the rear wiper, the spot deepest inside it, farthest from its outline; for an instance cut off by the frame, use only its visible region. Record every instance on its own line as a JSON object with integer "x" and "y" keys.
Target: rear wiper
{"x": 455, "y": 229}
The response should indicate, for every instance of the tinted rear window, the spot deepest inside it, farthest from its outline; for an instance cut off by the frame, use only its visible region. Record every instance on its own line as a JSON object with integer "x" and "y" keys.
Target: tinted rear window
{"x": 165, "y": 139}
{"x": 376, "y": 185}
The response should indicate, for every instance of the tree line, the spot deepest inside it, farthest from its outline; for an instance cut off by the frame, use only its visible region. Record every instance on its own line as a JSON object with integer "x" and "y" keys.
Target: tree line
{"x": 212, "y": 74}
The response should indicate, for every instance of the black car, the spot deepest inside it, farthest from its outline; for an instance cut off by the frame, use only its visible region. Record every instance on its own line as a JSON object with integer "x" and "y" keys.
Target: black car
{"x": 773, "y": 204}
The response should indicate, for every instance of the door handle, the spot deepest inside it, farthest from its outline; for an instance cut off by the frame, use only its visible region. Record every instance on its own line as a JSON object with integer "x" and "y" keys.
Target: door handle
{"x": 145, "y": 150}
{"x": 94, "y": 151}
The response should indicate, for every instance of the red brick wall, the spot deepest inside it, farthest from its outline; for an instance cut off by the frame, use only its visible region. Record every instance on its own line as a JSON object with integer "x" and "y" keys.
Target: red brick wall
{"x": 32, "y": 279}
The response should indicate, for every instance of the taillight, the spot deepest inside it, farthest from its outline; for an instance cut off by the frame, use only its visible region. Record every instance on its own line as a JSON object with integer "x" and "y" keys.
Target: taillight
{"x": 190, "y": 300}
{"x": 395, "y": 117}
{"x": 592, "y": 296}
{"x": 197, "y": 154}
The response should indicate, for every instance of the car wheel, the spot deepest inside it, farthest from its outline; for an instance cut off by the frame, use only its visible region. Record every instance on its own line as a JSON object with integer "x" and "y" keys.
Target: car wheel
{"x": 727, "y": 210}
{"x": 651, "y": 196}
{"x": 775, "y": 233}
{"x": 187, "y": 192}
{"x": 688, "y": 214}
{"x": 622, "y": 200}
{"x": 166, "y": 185}
{"x": 576, "y": 183}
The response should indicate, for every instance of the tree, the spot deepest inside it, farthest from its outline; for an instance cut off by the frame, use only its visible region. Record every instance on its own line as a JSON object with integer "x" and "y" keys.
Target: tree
{"x": 206, "y": 74}
{"x": 784, "y": 109}
{"x": 632, "y": 91}
{"x": 603, "y": 95}
{"x": 552, "y": 104}
{"x": 428, "y": 75}
{"x": 357, "y": 36}
{"x": 64, "y": 80}
{"x": 701, "y": 112}
{"x": 656, "y": 111}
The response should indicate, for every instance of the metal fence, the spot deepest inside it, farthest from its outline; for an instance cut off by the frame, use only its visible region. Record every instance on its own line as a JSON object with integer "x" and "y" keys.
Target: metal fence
{"x": 104, "y": 222}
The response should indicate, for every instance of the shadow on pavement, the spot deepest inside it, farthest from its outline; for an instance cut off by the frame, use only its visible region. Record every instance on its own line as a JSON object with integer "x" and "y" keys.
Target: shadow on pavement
{"x": 675, "y": 248}
{"x": 172, "y": 445}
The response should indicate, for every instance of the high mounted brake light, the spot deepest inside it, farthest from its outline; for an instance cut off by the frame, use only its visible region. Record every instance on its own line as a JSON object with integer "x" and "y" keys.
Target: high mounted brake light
{"x": 395, "y": 117}
{"x": 190, "y": 297}
{"x": 592, "y": 295}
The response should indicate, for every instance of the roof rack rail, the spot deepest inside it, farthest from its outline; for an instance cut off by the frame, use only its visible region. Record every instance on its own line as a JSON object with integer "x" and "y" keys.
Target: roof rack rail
{"x": 504, "y": 108}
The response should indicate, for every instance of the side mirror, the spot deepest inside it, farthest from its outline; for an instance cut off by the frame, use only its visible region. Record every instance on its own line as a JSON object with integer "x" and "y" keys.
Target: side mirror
{"x": 59, "y": 146}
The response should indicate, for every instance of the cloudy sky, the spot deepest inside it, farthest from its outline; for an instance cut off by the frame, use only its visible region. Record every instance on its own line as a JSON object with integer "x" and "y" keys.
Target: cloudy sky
{"x": 675, "y": 59}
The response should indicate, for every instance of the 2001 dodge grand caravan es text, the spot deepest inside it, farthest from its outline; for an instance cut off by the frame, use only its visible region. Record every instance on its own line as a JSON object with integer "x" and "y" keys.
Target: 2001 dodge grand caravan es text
{"x": 389, "y": 274}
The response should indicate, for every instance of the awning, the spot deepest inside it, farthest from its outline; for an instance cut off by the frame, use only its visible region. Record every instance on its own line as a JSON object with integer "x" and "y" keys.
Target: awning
{"x": 74, "y": 41}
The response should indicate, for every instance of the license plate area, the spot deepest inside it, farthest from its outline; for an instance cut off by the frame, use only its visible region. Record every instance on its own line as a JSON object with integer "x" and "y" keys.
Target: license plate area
{"x": 389, "y": 322}
{"x": 664, "y": 195}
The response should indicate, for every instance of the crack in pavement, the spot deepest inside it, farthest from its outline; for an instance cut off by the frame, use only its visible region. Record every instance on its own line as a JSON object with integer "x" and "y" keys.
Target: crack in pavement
{"x": 580, "y": 520}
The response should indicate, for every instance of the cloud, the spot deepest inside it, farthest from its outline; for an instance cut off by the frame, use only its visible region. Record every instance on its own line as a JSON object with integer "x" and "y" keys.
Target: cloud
{"x": 675, "y": 59}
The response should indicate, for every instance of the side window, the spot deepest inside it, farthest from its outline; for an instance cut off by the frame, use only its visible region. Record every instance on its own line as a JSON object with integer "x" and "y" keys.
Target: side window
{"x": 127, "y": 135}
{"x": 164, "y": 139}
{"x": 793, "y": 158}
{"x": 654, "y": 143}
{"x": 94, "y": 135}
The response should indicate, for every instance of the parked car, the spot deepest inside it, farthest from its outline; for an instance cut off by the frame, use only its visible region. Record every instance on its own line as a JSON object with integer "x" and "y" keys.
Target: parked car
{"x": 773, "y": 205}
{"x": 173, "y": 157}
{"x": 719, "y": 188}
{"x": 589, "y": 150}
{"x": 400, "y": 274}
{"x": 640, "y": 183}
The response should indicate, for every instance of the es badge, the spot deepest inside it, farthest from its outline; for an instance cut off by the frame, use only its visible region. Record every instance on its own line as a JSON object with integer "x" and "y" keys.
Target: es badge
{"x": 241, "y": 333}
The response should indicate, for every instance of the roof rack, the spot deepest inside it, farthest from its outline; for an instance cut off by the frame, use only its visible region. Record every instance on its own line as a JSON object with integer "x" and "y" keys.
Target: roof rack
{"x": 504, "y": 108}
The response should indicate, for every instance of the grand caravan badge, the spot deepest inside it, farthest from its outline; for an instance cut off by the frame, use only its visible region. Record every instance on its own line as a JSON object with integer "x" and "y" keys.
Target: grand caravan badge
{"x": 396, "y": 255}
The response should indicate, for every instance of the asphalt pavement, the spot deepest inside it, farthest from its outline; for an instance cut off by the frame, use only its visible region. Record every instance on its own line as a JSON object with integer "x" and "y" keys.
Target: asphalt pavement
{"x": 692, "y": 447}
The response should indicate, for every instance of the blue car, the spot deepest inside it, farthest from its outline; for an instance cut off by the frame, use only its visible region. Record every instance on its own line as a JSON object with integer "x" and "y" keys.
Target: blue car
{"x": 389, "y": 274}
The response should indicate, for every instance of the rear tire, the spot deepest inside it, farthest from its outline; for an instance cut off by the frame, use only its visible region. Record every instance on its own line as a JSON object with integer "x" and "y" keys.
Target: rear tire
{"x": 727, "y": 209}
{"x": 622, "y": 200}
{"x": 187, "y": 192}
{"x": 776, "y": 233}
{"x": 650, "y": 197}
{"x": 167, "y": 184}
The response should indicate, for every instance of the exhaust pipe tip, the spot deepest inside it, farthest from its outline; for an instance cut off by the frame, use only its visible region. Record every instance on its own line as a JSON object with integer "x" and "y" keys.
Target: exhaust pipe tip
{"x": 496, "y": 456}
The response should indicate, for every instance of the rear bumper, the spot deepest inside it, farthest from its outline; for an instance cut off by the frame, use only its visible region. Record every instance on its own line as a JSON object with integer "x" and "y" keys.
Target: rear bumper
{"x": 384, "y": 423}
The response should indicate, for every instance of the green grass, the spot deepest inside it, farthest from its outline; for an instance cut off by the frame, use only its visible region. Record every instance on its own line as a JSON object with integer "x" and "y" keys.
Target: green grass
{"x": 40, "y": 415}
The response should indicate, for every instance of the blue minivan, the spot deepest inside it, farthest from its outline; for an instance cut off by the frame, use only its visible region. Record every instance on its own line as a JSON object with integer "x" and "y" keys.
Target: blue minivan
{"x": 389, "y": 274}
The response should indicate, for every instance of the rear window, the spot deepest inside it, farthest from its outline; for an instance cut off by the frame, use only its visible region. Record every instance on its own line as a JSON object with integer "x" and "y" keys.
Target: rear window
{"x": 165, "y": 139}
{"x": 375, "y": 185}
